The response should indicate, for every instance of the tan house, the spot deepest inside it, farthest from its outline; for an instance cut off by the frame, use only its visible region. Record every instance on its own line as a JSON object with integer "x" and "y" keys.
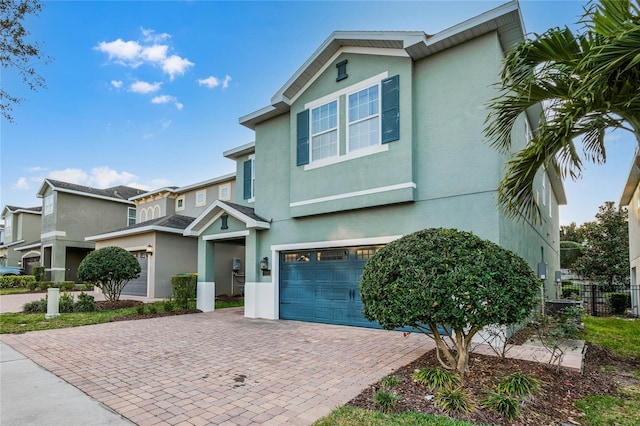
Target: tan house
{"x": 631, "y": 199}
{"x": 20, "y": 245}
{"x": 72, "y": 212}
{"x": 157, "y": 238}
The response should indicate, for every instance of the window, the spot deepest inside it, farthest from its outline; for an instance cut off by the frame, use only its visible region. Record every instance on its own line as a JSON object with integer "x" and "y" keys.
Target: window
{"x": 249, "y": 177}
{"x": 336, "y": 254}
{"x": 224, "y": 192}
{"x": 48, "y": 204}
{"x": 544, "y": 188}
{"x": 131, "y": 216}
{"x": 364, "y": 120}
{"x": 297, "y": 257}
{"x": 201, "y": 198}
{"x": 372, "y": 118}
{"x": 180, "y": 203}
{"x": 7, "y": 227}
{"x": 324, "y": 131}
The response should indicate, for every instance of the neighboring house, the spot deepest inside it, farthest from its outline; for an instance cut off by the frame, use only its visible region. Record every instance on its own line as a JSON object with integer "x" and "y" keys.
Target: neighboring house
{"x": 631, "y": 199}
{"x": 70, "y": 213}
{"x": 21, "y": 241}
{"x": 377, "y": 135}
{"x": 157, "y": 238}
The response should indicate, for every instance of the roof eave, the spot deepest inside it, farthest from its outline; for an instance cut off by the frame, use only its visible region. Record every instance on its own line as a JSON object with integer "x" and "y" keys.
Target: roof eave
{"x": 632, "y": 181}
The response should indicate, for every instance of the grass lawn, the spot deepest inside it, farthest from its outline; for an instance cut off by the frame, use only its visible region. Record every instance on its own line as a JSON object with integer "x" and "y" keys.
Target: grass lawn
{"x": 20, "y": 322}
{"x": 622, "y": 336}
{"x": 20, "y": 290}
{"x": 351, "y": 416}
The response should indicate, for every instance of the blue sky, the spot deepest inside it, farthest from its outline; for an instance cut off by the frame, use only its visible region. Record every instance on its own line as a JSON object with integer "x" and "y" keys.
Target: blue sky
{"x": 148, "y": 93}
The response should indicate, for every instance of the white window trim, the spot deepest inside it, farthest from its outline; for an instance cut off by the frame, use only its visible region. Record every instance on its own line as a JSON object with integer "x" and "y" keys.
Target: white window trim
{"x": 373, "y": 149}
{"x": 371, "y": 81}
{"x": 180, "y": 198}
{"x": 378, "y": 116}
{"x": 354, "y": 194}
{"x": 226, "y": 186}
{"x": 333, "y": 129}
{"x": 204, "y": 198}
{"x": 48, "y": 206}
{"x": 135, "y": 216}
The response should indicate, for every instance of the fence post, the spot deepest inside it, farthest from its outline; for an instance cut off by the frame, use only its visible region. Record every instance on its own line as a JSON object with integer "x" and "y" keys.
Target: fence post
{"x": 594, "y": 300}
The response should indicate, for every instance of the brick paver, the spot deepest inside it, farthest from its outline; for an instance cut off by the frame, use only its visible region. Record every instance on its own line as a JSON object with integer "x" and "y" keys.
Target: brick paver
{"x": 219, "y": 367}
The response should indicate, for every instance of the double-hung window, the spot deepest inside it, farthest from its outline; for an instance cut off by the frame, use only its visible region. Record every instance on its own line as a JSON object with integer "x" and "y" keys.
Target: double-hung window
{"x": 364, "y": 118}
{"x": 324, "y": 131}
{"x": 131, "y": 216}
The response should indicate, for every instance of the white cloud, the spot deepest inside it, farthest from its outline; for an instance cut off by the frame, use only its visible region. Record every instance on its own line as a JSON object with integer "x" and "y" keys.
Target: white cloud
{"x": 22, "y": 183}
{"x": 175, "y": 65}
{"x": 144, "y": 87}
{"x": 151, "y": 36}
{"x": 35, "y": 169}
{"x": 76, "y": 176}
{"x": 150, "y": 51}
{"x": 162, "y": 99}
{"x": 117, "y": 83}
{"x": 155, "y": 53}
{"x": 211, "y": 82}
{"x": 124, "y": 52}
{"x": 104, "y": 177}
{"x": 226, "y": 81}
{"x": 179, "y": 106}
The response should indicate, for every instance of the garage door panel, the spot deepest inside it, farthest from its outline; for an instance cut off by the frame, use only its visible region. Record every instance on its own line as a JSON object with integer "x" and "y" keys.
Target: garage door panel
{"x": 138, "y": 286}
{"x": 323, "y": 289}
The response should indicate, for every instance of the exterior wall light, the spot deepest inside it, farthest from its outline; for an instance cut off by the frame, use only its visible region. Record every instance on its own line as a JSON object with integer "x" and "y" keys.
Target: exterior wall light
{"x": 149, "y": 250}
{"x": 264, "y": 264}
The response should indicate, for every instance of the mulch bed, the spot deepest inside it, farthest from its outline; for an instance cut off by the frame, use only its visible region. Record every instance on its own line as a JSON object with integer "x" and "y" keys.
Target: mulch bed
{"x": 554, "y": 406}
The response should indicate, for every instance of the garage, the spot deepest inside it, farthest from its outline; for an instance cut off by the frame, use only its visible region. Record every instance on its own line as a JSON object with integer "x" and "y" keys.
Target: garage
{"x": 138, "y": 286}
{"x": 322, "y": 285}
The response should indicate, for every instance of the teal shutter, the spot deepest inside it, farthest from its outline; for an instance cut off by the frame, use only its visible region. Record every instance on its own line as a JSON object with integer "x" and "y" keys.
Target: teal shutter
{"x": 390, "y": 121}
{"x": 302, "y": 140}
{"x": 247, "y": 179}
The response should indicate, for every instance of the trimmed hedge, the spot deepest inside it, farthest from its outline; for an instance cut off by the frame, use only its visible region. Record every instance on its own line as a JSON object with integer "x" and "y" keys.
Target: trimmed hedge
{"x": 184, "y": 289}
{"x": 569, "y": 291}
{"x": 618, "y": 302}
{"x": 43, "y": 285}
{"x": 17, "y": 281}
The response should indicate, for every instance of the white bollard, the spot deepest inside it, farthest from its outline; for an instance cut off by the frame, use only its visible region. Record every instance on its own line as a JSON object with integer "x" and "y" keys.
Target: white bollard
{"x": 53, "y": 303}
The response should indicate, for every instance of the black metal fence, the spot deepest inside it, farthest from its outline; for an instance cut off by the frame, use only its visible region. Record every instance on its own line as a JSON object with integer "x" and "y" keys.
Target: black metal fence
{"x": 604, "y": 300}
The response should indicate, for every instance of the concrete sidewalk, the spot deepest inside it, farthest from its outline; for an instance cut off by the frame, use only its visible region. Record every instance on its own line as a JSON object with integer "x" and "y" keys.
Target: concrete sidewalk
{"x": 30, "y": 395}
{"x": 15, "y": 302}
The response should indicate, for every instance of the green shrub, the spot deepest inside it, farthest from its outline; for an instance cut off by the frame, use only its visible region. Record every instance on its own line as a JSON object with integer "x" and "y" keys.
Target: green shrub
{"x": 507, "y": 405}
{"x": 38, "y": 272}
{"x": 140, "y": 309}
{"x": 66, "y": 303}
{"x": 570, "y": 291}
{"x": 35, "y": 307}
{"x": 390, "y": 381}
{"x": 85, "y": 303}
{"x": 62, "y": 285}
{"x": 184, "y": 289}
{"x": 518, "y": 384}
{"x": 17, "y": 281}
{"x": 386, "y": 401}
{"x": 436, "y": 378}
{"x": 453, "y": 401}
{"x": 168, "y": 305}
{"x": 412, "y": 282}
{"x": 618, "y": 302}
{"x": 152, "y": 308}
{"x": 110, "y": 269}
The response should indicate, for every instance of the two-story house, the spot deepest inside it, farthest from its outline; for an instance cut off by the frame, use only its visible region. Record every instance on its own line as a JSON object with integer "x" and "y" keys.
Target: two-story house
{"x": 156, "y": 238}
{"x": 631, "y": 199}
{"x": 72, "y": 212}
{"x": 377, "y": 135}
{"x": 21, "y": 241}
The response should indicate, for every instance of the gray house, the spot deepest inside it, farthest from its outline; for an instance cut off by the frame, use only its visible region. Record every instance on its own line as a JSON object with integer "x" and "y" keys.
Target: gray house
{"x": 20, "y": 245}
{"x": 377, "y": 135}
{"x": 157, "y": 241}
{"x": 631, "y": 199}
{"x": 72, "y": 212}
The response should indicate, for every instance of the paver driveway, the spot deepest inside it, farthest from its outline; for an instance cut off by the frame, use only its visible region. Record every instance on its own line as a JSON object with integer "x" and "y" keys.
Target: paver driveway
{"x": 219, "y": 367}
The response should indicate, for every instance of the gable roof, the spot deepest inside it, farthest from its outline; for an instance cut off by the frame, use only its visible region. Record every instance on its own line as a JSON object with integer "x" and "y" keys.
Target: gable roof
{"x": 182, "y": 189}
{"x": 13, "y": 209}
{"x": 632, "y": 181}
{"x": 173, "y": 224}
{"x": 246, "y": 215}
{"x": 118, "y": 193}
{"x": 505, "y": 19}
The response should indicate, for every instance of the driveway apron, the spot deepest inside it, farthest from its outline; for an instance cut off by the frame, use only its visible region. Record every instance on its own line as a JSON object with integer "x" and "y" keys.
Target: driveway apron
{"x": 219, "y": 367}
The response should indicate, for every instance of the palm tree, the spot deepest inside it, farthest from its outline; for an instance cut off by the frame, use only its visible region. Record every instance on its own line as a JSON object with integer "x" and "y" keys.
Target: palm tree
{"x": 587, "y": 82}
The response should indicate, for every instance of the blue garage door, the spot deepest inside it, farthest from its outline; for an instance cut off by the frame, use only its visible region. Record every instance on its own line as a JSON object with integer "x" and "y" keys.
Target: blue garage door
{"x": 322, "y": 285}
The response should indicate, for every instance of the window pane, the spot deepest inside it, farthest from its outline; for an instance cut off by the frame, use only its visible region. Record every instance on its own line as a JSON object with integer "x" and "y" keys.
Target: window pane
{"x": 324, "y": 118}
{"x": 324, "y": 145}
{"x": 363, "y": 104}
{"x": 363, "y": 134}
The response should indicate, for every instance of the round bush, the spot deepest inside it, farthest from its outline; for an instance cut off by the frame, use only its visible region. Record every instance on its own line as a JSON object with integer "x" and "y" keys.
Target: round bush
{"x": 110, "y": 269}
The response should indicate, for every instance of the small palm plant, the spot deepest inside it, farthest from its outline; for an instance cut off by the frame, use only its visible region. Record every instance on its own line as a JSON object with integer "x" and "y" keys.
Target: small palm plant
{"x": 436, "y": 378}
{"x": 507, "y": 405}
{"x": 454, "y": 401}
{"x": 386, "y": 401}
{"x": 518, "y": 384}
